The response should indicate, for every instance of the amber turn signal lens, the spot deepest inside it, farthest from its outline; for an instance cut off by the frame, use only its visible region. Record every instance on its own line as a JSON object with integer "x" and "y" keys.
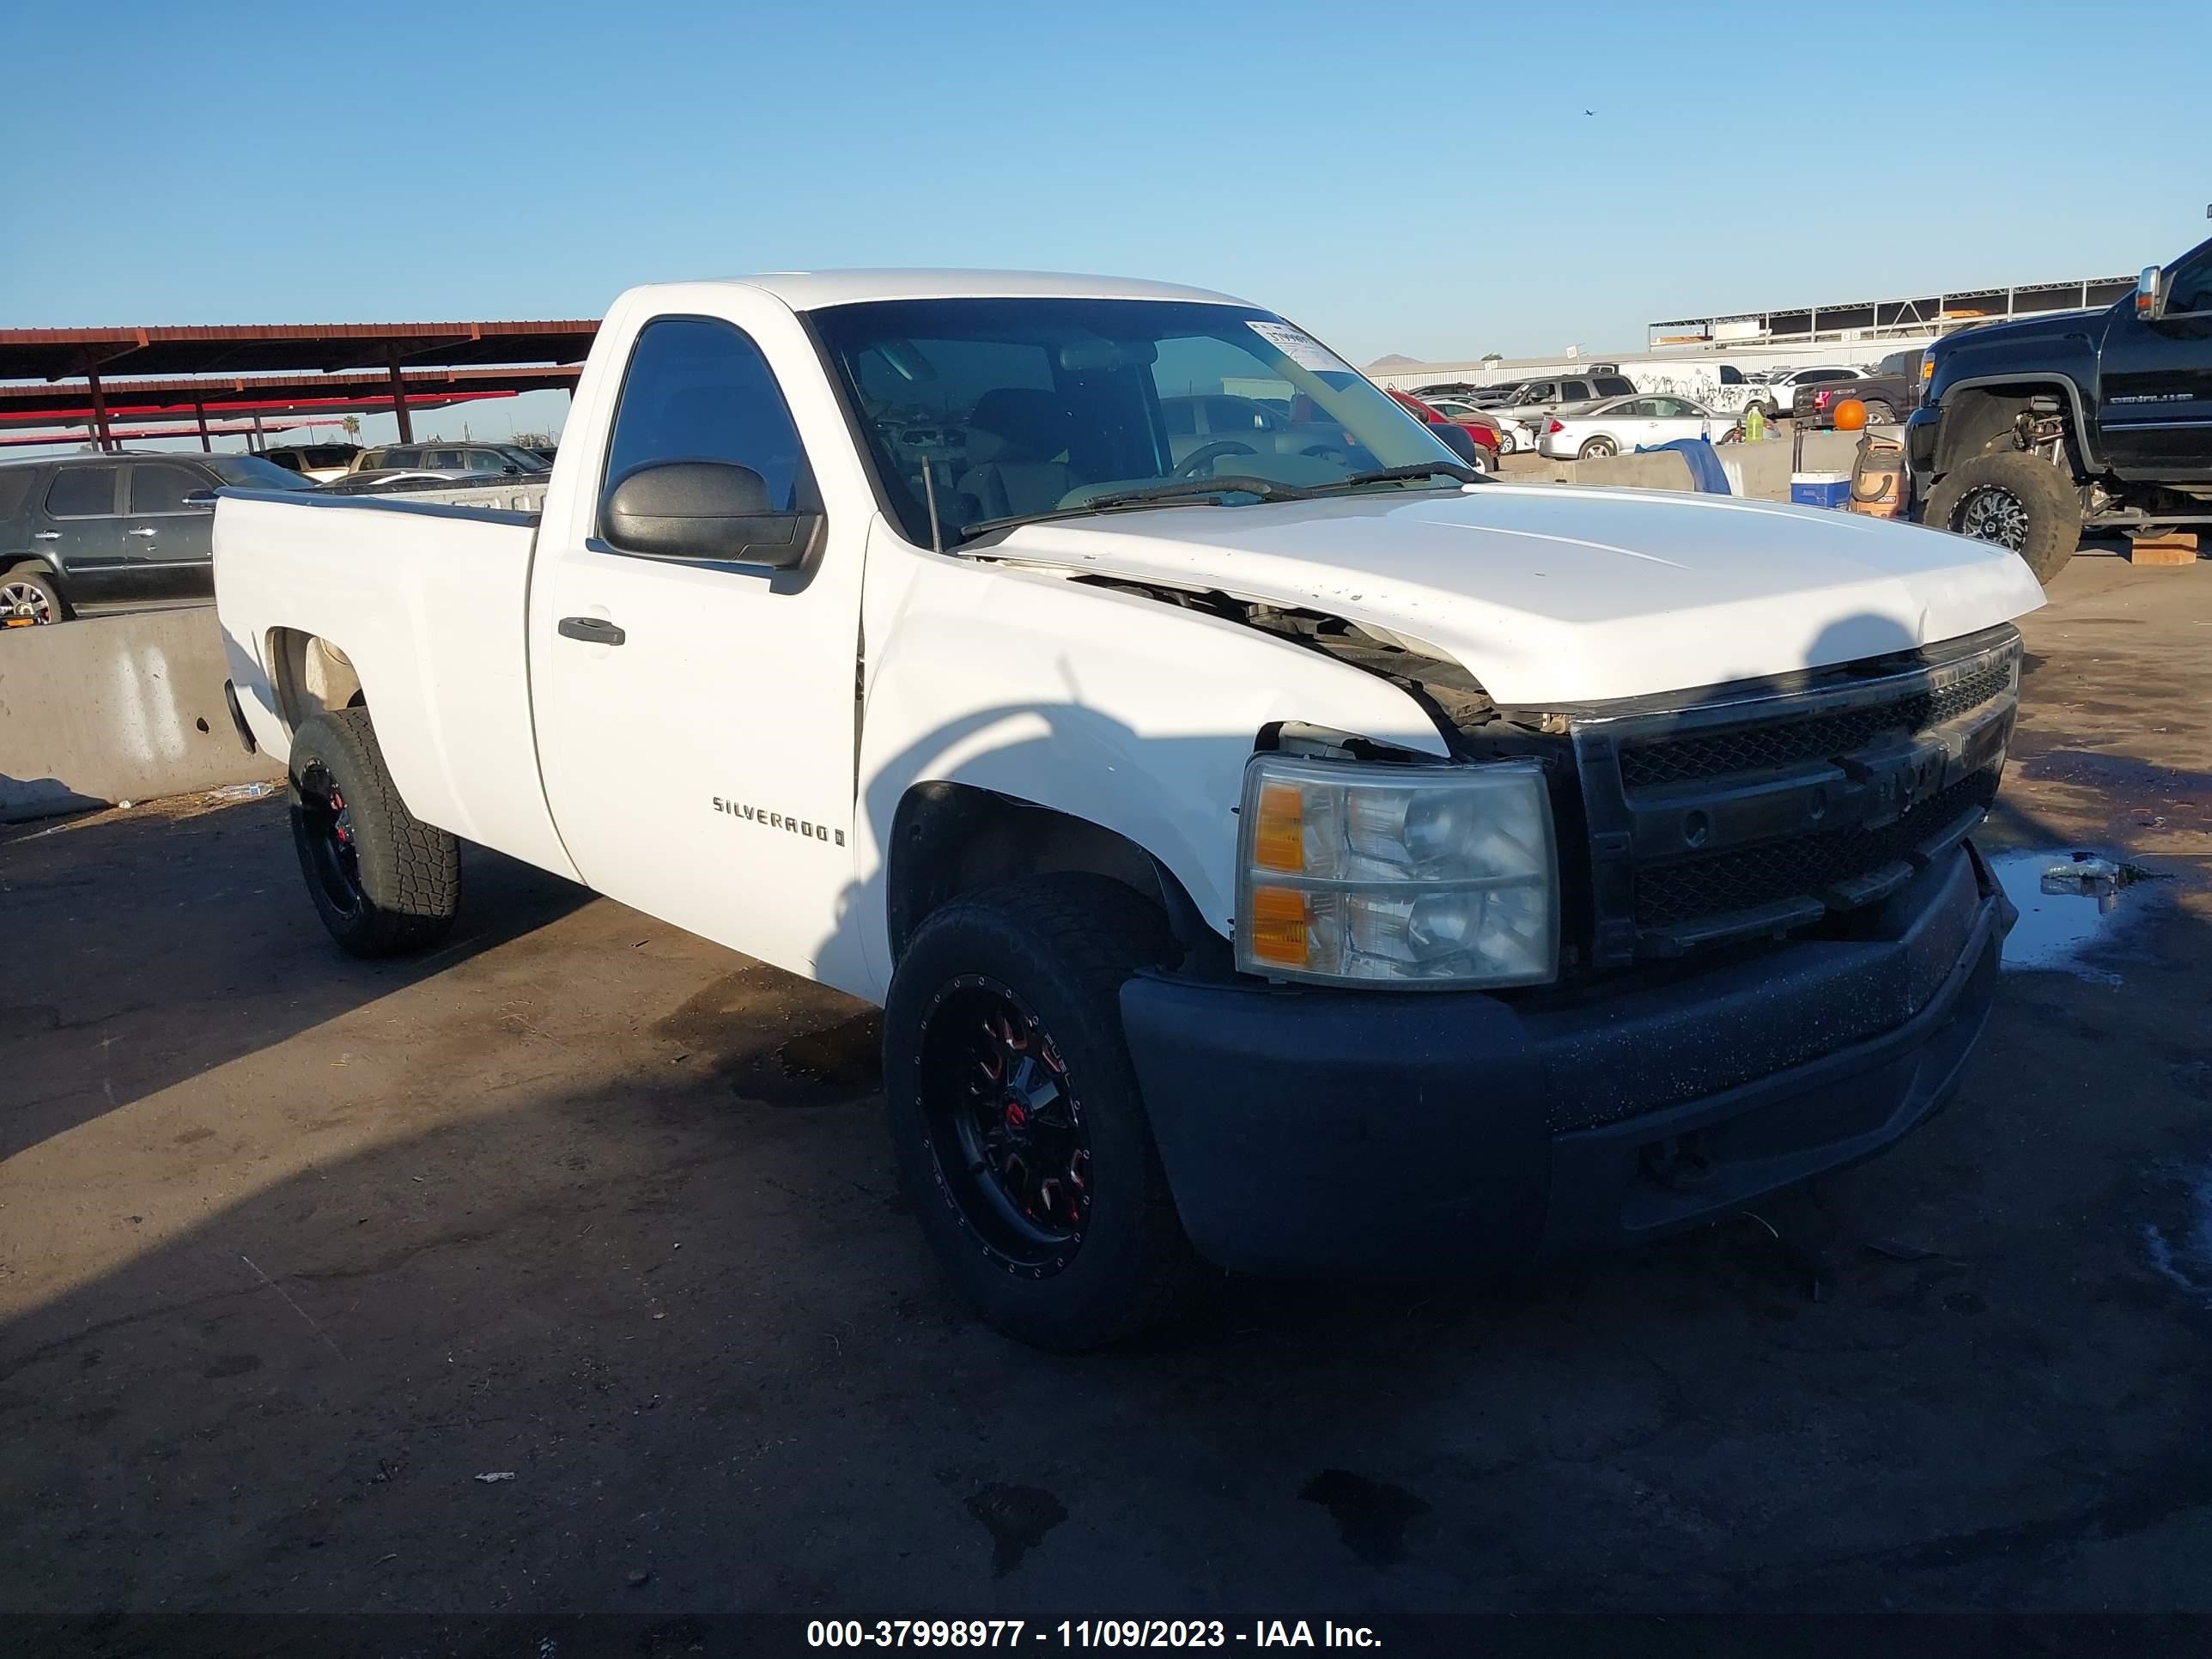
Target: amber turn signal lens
{"x": 1280, "y": 841}
{"x": 1277, "y": 929}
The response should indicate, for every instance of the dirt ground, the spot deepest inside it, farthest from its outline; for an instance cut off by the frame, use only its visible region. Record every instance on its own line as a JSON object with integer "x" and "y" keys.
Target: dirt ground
{"x": 294, "y": 1250}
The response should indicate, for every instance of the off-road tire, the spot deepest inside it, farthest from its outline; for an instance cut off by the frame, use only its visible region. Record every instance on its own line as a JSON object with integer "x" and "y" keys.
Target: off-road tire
{"x": 2050, "y": 503}
{"x": 407, "y": 879}
{"x": 1064, "y": 945}
{"x": 39, "y": 577}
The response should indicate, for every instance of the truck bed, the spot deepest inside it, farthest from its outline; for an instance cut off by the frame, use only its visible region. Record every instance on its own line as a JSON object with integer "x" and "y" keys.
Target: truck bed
{"x": 406, "y": 584}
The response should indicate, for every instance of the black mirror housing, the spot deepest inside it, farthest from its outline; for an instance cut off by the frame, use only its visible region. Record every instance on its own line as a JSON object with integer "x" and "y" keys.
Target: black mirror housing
{"x": 705, "y": 512}
{"x": 1459, "y": 440}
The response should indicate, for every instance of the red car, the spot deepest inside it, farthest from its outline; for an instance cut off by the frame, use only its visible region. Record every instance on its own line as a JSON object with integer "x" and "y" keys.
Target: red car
{"x": 1481, "y": 427}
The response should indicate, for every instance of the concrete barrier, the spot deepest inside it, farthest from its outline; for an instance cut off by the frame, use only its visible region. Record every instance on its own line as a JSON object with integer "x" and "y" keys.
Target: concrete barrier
{"x": 112, "y": 708}
{"x": 1764, "y": 467}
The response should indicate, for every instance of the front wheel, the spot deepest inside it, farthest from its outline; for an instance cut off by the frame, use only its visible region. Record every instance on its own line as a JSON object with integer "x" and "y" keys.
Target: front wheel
{"x": 2017, "y": 500}
{"x": 383, "y": 881}
{"x": 1596, "y": 449}
{"x": 1022, "y": 1140}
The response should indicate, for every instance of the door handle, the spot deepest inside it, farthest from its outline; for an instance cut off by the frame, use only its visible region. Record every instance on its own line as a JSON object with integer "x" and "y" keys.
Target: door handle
{"x": 145, "y": 532}
{"x": 592, "y": 631}
{"x": 46, "y": 535}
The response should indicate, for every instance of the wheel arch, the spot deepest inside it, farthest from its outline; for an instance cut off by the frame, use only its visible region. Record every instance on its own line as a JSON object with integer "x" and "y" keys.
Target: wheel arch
{"x": 949, "y": 838}
{"x": 1975, "y": 412}
{"x": 309, "y": 675}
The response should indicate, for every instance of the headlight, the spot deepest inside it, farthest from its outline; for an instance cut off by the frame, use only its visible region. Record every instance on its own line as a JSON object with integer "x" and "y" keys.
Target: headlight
{"x": 1443, "y": 875}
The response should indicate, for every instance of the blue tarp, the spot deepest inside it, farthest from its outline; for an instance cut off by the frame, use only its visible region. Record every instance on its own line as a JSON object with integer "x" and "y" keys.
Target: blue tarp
{"x": 1705, "y": 469}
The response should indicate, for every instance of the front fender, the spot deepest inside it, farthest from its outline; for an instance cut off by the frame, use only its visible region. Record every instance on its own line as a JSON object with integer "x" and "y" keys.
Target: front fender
{"x": 1132, "y": 713}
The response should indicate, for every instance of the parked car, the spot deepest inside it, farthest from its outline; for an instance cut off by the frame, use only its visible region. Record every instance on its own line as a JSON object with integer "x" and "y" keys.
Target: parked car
{"x": 320, "y": 463}
{"x": 1779, "y": 396}
{"x": 110, "y": 528}
{"x": 1888, "y": 391}
{"x": 2032, "y": 431}
{"x": 1288, "y": 862}
{"x": 1530, "y": 409}
{"x": 1615, "y": 424}
{"x": 1477, "y": 426}
{"x": 449, "y": 460}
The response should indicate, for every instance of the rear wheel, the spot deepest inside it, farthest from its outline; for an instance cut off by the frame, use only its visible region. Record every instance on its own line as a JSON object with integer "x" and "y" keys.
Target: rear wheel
{"x": 2016, "y": 500}
{"x": 27, "y": 592}
{"x": 1595, "y": 449}
{"x": 383, "y": 882}
{"x": 1507, "y": 445}
{"x": 1022, "y": 1140}
{"x": 1879, "y": 413}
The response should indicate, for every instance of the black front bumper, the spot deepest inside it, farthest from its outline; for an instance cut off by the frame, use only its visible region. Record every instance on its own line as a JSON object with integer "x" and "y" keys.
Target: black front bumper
{"x": 1398, "y": 1133}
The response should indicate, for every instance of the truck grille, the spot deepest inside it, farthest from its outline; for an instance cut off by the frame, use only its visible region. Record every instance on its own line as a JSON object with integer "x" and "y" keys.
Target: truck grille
{"x": 1771, "y": 873}
{"x": 1810, "y": 736}
{"x": 1754, "y": 809}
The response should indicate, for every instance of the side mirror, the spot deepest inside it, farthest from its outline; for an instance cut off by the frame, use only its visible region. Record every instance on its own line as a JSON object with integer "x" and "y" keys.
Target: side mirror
{"x": 2150, "y": 300}
{"x": 706, "y": 511}
{"x": 1459, "y": 440}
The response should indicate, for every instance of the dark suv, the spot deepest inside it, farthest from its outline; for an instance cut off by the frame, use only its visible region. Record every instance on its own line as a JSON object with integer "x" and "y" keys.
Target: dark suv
{"x": 97, "y": 529}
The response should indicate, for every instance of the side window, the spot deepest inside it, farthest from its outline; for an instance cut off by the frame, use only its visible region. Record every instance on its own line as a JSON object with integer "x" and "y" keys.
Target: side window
{"x": 1615, "y": 385}
{"x": 82, "y": 492}
{"x": 1234, "y": 414}
{"x": 1575, "y": 392}
{"x": 487, "y": 460}
{"x": 2190, "y": 287}
{"x": 445, "y": 460}
{"x": 15, "y": 489}
{"x": 1181, "y": 415}
{"x": 159, "y": 488}
{"x": 698, "y": 390}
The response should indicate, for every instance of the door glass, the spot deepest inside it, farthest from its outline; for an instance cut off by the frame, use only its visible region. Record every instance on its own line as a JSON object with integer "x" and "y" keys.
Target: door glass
{"x": 700, "y": 391}
{"x": 159, "y": 488}
{"x": 82, "y": 492}
{"x": 443, "y": 460}
{"x": 2189, "y": 288}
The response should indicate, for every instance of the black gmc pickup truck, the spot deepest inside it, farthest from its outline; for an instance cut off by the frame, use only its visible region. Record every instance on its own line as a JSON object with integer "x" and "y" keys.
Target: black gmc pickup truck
{"x": 2030, "y": 432}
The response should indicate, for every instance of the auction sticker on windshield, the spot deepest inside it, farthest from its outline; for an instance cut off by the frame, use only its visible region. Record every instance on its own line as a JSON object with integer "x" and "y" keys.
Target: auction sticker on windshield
{"x": 1300, "y": 347}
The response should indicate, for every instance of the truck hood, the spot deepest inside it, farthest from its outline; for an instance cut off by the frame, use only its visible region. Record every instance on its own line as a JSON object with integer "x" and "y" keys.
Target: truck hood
{"x": 1553, "y": 595}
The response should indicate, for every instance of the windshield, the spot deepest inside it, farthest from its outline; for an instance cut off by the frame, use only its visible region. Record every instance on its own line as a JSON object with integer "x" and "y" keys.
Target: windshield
{"x": 1014, "y": 408}
{"x": 253, "y": 472}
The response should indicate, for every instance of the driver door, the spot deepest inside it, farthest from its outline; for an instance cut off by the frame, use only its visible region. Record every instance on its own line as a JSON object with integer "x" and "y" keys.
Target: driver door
{"x": 695, "y": 718}
{"x": 2154, "y": 392}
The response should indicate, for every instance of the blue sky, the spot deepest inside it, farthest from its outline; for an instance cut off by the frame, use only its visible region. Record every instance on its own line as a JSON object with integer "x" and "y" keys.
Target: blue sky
{"x": 1420, "y": 179}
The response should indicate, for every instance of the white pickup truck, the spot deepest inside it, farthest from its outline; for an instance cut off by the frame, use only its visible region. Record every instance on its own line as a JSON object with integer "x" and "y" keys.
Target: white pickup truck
{"x": 1295, "y": 853}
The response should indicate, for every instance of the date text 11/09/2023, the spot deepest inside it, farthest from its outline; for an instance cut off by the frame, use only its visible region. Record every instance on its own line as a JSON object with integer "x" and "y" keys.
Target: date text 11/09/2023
{"x": 1086, "y": 1633}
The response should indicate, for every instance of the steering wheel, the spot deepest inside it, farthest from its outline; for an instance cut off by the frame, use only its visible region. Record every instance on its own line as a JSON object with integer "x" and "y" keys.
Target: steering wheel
{"x": 1193, "y": 464}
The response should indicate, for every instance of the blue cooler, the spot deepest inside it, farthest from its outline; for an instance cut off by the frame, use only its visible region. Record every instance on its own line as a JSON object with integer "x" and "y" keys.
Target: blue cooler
{"x": 1821, "y": 489}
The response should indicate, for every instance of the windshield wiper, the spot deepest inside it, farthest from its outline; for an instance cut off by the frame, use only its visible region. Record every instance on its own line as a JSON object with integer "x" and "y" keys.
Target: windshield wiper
{"x": 1192, "y": 492}
{"x": 1459, "y": 470}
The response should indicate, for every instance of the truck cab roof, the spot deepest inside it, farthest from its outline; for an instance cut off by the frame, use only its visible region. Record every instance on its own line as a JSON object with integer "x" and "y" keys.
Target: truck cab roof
{"x": 810, "y": 291}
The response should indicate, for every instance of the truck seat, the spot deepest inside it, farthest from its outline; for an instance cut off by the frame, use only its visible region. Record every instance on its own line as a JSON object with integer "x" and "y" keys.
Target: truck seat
{"x": 1013, "y": 438}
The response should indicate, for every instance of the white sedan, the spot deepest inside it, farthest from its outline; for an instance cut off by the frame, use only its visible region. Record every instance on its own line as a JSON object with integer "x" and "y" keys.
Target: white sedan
{"x": 1586, "y": 431}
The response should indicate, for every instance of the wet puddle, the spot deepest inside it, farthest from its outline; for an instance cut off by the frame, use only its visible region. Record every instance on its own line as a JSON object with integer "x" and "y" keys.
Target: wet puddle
{"x": 2069, "y": 902}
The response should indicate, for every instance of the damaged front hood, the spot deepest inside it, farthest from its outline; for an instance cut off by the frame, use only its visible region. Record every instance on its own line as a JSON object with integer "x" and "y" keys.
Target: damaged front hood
{"x": 1550, "y": 595}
